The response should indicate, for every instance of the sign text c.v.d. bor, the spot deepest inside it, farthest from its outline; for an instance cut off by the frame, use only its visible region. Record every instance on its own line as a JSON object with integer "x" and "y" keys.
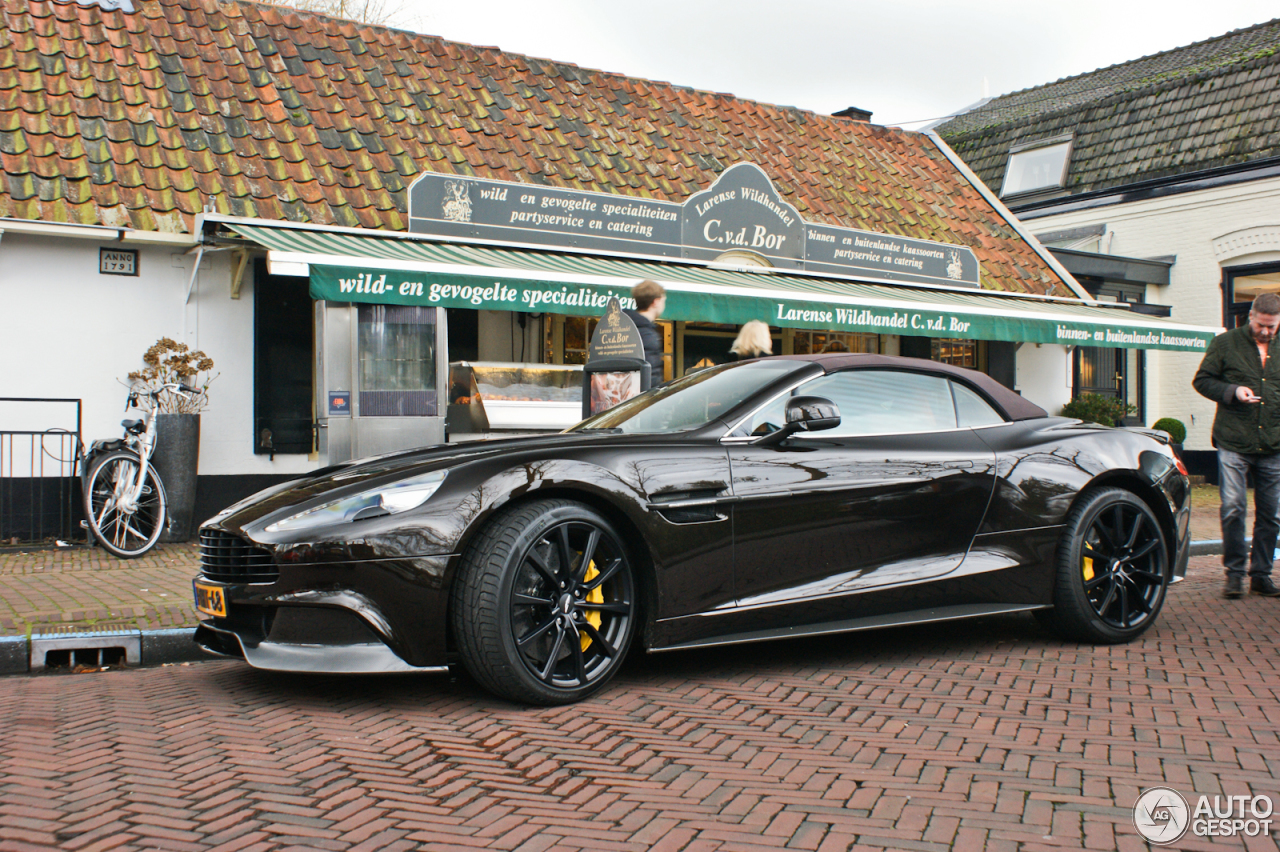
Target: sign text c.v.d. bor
{"x": 741, "y": 211}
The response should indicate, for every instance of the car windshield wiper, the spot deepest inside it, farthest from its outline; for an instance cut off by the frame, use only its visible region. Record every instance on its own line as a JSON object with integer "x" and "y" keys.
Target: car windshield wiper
{"x": 604, "y": 430}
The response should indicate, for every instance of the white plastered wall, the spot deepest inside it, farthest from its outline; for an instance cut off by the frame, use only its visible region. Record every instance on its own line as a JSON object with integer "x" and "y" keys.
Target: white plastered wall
{"x": 1043, "y": 375}
{"x": 71, "y": 332}
{"x": 1206, "y": 230}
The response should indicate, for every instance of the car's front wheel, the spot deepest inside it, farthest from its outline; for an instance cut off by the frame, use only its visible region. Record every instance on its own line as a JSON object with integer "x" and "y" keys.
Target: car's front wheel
{"x": 544, "y": 608}
{"x": 1113, "y": 569}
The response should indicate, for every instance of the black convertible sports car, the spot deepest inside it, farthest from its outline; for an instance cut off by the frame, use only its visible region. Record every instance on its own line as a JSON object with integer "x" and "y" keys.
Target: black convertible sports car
{"x": 788, "y": 496}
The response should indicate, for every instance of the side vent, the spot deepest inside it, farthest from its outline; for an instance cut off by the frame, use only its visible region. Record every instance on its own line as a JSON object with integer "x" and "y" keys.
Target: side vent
{"x": 690, "y": 507}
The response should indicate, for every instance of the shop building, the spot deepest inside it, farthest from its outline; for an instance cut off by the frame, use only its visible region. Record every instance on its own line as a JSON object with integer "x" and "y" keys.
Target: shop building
{"x": 1155, "y": 182}
{"x": 334, "y": 212}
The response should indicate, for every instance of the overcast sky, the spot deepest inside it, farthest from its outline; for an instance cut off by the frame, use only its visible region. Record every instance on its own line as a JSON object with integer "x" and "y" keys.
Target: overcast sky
{"x": 905, "y": 60}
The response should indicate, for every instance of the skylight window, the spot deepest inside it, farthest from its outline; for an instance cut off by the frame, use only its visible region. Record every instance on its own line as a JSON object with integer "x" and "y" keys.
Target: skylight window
{"x": 1036, "y": 167}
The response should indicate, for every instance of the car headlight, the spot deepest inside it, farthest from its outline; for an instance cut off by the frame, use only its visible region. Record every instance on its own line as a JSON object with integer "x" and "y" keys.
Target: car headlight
{"x": 385, "y": 500}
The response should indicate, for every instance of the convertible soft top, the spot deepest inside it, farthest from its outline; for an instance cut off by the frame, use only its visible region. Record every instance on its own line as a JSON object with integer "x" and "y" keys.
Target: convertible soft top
{"x": 1011, "y": 404}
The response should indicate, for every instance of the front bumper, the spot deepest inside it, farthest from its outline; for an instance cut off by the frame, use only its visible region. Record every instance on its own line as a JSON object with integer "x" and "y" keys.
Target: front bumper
{"x": 361, "y": 616}
{"x": 354, "y": 658}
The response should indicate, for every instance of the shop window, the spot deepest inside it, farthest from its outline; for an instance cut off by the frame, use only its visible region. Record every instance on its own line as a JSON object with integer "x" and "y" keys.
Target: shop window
{"x": 958, "y": 353}
{"x": 1242, "y": 284}
{"x": 567, "y": 337}
{"x": 397, "y": 348}
{"x": 283, "y": 327}
{"x": 805, "y": 342}
{"x": 1036, "y": 167}
{"x": 704, "y": 344}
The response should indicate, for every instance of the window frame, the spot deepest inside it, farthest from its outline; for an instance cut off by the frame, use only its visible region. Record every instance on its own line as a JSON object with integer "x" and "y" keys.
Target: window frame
{"x": 730, "y": 437}
{"x": 1067, "y": 141}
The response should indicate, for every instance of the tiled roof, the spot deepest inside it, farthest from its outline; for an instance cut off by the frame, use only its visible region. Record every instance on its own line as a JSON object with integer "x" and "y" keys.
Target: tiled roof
{"x": 1210, "y": 104}
{"x": 143, "y": 120}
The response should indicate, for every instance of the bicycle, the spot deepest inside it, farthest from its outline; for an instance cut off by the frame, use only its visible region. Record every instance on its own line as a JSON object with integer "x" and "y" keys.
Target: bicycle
{"x": 124, "y": 500}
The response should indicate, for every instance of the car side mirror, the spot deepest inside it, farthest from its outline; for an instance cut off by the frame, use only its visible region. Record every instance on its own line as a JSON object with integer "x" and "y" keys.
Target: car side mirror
{"x": 812, "y": 413}
{"x": 805, "y": 414}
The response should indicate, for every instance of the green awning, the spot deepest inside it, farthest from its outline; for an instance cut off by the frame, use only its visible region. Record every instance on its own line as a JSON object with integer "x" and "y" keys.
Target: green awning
{"x": 348, "y": 267}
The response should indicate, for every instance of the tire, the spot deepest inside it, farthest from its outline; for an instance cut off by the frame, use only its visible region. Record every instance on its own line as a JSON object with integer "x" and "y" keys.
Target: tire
{"x": 544, "y": 607}
{"x": 120, "y": 531}
{"x": 1113, "y": 570}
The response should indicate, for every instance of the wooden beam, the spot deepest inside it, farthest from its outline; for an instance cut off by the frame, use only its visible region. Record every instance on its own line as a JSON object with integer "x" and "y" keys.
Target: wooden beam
{"x": 241, "y": 259}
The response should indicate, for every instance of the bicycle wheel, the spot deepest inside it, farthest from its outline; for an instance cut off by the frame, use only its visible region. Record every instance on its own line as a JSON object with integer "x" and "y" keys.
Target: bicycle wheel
{"x": 123, "y": 528}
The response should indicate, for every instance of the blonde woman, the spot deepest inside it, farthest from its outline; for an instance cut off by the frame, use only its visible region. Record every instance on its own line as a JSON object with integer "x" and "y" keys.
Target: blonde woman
{"x": 753, "y": 341}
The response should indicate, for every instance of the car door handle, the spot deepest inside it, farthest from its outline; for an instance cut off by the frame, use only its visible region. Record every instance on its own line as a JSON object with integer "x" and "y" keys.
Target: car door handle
{"x": 958, "y": 465}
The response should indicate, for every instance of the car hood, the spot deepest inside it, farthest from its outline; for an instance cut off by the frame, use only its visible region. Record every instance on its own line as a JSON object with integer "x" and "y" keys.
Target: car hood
{"x": 358, "y": 475}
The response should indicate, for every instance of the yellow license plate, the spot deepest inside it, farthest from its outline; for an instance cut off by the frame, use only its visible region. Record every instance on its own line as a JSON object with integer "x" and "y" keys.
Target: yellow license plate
{"x": 210, "y": 600}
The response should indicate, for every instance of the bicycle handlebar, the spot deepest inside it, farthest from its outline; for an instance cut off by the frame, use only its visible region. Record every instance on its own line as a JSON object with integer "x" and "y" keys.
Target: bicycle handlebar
{"x": 168, "y": 386}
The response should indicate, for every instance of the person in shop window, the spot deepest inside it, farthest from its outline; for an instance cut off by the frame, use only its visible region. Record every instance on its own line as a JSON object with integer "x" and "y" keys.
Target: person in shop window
{"x": 753, "y": 341}
{"x": 1241, "y": 373}
{"x": 651, "y": 300}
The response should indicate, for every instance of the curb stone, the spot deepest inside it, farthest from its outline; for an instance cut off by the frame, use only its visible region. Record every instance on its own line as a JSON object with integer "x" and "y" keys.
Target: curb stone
{"x": 158, "y": 647}
{"x": 15, "y": 657}
{"x": 1213, "y": 547}
{"x": 171, "y": 645}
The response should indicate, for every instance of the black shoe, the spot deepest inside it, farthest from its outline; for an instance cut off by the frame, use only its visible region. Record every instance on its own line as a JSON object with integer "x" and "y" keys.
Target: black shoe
{"x": 1235, "y": 587}
{"x": 1263, "y": 586}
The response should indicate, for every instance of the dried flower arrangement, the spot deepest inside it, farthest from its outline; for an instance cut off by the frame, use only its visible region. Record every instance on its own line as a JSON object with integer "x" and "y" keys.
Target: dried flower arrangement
{"x": 171, "y": 362}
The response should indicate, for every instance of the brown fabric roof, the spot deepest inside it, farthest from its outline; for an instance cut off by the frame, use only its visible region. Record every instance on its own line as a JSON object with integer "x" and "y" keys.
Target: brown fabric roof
{"x": 143, "y": 120}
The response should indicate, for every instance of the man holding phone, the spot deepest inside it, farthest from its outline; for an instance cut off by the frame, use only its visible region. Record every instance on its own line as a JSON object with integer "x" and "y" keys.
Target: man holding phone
{"x": 1241, "y": 375}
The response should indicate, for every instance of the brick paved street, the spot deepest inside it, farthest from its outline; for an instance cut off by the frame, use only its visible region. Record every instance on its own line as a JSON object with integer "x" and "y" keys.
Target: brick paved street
{"x": 90, "y": 588}
{"x": 980, "y": 735}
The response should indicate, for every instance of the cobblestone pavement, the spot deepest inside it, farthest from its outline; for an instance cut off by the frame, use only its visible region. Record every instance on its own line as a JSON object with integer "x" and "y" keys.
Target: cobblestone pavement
{"x": 90, "y": 588}
{"x": 976, "y": 735}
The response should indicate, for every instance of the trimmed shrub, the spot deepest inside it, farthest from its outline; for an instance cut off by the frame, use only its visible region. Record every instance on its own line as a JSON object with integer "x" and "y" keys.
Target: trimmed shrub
{"x": 1096, "y": 408}
{"x": 1177, "y": 431}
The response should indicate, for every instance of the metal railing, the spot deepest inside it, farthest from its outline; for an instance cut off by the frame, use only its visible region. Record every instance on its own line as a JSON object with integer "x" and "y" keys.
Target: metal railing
{"x": 40, "y": 478}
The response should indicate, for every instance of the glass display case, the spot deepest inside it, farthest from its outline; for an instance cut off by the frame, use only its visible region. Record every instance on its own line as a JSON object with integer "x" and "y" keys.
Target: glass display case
{"x": 488, "y": 397}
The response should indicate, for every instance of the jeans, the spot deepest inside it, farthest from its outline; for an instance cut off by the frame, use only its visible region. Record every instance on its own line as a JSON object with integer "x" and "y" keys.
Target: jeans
{"x": 1233, "y": 468}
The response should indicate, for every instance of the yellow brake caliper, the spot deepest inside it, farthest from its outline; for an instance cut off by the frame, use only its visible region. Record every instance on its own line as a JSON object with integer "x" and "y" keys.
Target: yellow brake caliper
{"x": 596, "y": 595}
{"x": 1088, "y": 569}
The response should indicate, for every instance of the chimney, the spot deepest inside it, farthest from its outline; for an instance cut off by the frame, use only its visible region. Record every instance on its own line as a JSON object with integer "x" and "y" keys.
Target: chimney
{"x": 854, "y": 114}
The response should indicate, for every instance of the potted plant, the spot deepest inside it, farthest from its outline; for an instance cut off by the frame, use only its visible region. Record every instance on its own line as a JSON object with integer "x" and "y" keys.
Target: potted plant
{"x": 1176, "y": 429}
{"x": 1096, "y": 408}
{"x": 177, "y": 452}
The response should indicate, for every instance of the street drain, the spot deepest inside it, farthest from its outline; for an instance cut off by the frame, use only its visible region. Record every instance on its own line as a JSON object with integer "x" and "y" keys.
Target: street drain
{"x": 74, "y": 647}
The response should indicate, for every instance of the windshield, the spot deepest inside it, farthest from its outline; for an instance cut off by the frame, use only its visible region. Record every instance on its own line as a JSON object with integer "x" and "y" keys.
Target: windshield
{"x": 691, "y": 401}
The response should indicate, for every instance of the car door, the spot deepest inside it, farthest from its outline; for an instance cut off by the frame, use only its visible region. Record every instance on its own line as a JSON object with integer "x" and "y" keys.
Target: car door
{"x": 893, "y": 495}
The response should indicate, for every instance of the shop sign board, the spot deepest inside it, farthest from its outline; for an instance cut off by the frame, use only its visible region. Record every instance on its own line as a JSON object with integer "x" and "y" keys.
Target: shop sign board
{"x": 409, "y": 287}
{"x": 616, "y": 337}
{"x": 741, "y": 211}
{"x": 616, "y": 369}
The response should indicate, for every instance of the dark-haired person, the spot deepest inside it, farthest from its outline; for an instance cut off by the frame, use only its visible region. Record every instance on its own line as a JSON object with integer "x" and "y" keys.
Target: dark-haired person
{"x": 651, "y": 299}
{"x": 1241, "y": 373}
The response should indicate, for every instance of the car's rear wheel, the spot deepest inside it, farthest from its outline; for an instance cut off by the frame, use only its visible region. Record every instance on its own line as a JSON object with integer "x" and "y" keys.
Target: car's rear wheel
{"x": 544, "y": 607}
{"x": 1113, "y": 569}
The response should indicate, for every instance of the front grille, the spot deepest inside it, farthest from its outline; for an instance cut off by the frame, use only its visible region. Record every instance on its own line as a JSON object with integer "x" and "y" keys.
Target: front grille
{"x": 230, "y": 559}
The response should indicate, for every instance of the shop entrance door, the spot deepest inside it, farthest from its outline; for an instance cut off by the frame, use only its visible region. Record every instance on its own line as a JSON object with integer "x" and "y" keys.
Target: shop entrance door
{"x": 1100, "y": 371}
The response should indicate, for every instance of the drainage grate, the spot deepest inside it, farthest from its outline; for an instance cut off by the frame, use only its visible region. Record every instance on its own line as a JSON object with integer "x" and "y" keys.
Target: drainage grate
{"x": 70, "y": 646}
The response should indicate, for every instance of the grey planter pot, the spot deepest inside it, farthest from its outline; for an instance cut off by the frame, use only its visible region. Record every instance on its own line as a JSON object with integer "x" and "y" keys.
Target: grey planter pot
{"x": 176, "y": 458}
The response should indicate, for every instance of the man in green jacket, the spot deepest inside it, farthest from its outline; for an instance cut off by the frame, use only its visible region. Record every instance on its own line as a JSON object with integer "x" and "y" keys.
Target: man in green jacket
{"x": 1241, "y": 373}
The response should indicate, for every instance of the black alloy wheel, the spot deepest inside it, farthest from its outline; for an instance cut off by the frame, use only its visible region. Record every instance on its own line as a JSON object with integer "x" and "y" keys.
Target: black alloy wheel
{"x": 1113, "y": 569}
{"x": 544, "y": 608}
